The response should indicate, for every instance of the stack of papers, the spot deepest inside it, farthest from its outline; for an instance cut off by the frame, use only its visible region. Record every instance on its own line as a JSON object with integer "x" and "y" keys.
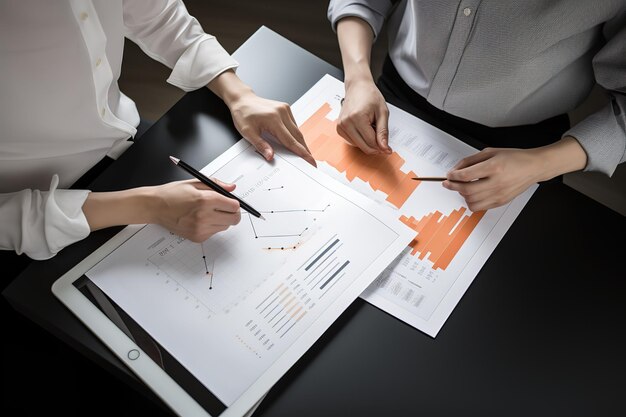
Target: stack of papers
{"x": 238, "y": 310}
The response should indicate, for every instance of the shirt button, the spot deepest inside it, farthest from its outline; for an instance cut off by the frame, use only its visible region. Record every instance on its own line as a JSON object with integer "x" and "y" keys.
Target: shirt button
{"x": 98, "y": 62}
{"x": 83, "y": 16}
{"x": 467, "y": 11}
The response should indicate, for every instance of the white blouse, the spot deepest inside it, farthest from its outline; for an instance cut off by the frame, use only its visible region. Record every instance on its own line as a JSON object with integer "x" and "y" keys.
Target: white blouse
{"x": 61, "y": 110}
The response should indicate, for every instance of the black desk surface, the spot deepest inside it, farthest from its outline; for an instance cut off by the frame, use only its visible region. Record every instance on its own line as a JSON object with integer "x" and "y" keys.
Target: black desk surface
{"x": 541, "y": 331}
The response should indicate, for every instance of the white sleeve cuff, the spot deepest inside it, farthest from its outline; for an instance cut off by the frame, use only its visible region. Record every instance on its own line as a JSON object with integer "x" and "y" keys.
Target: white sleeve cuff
{"x": 50, "y": 220}
{"x": 200, "y": 63}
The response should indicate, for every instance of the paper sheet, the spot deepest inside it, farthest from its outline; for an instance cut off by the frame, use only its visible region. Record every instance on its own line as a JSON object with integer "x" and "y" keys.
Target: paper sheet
{"x": 451, "y": 244}
{"x": 262, "y": 292}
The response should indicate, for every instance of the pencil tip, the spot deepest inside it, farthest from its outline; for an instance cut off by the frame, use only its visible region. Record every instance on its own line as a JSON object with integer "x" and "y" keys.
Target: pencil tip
{"x": 261, "y": 217}
{"x": 174, "y": 160}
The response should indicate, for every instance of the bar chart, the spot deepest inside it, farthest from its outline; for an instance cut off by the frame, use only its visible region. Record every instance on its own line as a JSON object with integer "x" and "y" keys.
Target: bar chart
{"x": 381, "y": 172}
{"x": 302, "y": 292}
{"x": 440, "y": 237}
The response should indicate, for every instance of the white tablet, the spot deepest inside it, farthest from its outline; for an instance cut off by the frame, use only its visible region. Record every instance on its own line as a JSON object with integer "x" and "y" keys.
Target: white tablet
{"x": 143, "y": 355}
{"x": 210, "y": 327}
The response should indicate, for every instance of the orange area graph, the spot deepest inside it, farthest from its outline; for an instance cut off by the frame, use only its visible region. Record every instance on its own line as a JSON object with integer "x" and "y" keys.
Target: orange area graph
{"x": 382, "y": 172}
{"x": 434, "y": 235}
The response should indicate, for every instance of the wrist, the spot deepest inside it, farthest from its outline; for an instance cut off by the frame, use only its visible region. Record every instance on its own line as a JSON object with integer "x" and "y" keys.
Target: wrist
{"x": 356, "y": 74}
{"x": 147, "y": 203}
{"x": 229, "y": 87}
{"x": 561, "y": 157}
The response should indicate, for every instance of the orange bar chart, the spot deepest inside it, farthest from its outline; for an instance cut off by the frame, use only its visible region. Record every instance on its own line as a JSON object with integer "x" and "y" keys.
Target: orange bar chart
{"x": 381, "y": 172}
{"x": 441, "y": 236}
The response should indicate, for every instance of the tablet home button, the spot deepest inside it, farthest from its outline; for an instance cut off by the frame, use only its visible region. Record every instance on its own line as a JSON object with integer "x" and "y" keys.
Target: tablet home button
{"x": 133, "y": 354}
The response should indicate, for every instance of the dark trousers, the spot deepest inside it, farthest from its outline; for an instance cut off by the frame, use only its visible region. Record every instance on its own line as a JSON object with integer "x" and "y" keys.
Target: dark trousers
{"x": 398, "y": 93}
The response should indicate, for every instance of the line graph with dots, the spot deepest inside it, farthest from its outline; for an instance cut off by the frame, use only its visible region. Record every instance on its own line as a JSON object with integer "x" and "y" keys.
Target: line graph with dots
{"x": 220, "y": 273}
{"x": 285, "y": 229}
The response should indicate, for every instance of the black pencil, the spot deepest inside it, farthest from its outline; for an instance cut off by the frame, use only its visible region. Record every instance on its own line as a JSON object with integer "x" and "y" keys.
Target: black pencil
{"x": 430, "y": 178}
{"x": 216, "y": 187}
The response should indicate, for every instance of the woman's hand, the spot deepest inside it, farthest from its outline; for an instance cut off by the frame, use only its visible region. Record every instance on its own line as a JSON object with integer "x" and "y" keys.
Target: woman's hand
{"x": 364, "y": 116}
{"x": 494, "y": 176}
{"x": 253, "y": 116}
{"x": 187, "y": 208}
{"x": 193, "y": 210}
{"x": 363, "y": 120}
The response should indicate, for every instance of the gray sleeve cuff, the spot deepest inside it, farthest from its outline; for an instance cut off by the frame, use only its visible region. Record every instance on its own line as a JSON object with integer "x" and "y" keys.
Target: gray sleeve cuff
{"x": 603, "y": 137}
{"x": 373, "y": 12}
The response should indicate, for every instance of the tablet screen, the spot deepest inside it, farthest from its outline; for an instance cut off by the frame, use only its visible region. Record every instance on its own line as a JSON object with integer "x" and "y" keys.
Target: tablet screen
{"x": 201, "y": 394}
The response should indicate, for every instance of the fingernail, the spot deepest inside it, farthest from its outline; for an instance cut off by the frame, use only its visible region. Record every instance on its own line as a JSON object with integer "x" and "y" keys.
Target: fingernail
{"x": 267, "y": 154}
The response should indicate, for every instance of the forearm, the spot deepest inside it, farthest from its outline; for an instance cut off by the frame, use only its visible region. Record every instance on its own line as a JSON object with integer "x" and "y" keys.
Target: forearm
{"x": 566, "y": 155}
{"x": 165, "y": 30}
{"x": 119, "y": 208}
{"x": 355, "y": 38}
